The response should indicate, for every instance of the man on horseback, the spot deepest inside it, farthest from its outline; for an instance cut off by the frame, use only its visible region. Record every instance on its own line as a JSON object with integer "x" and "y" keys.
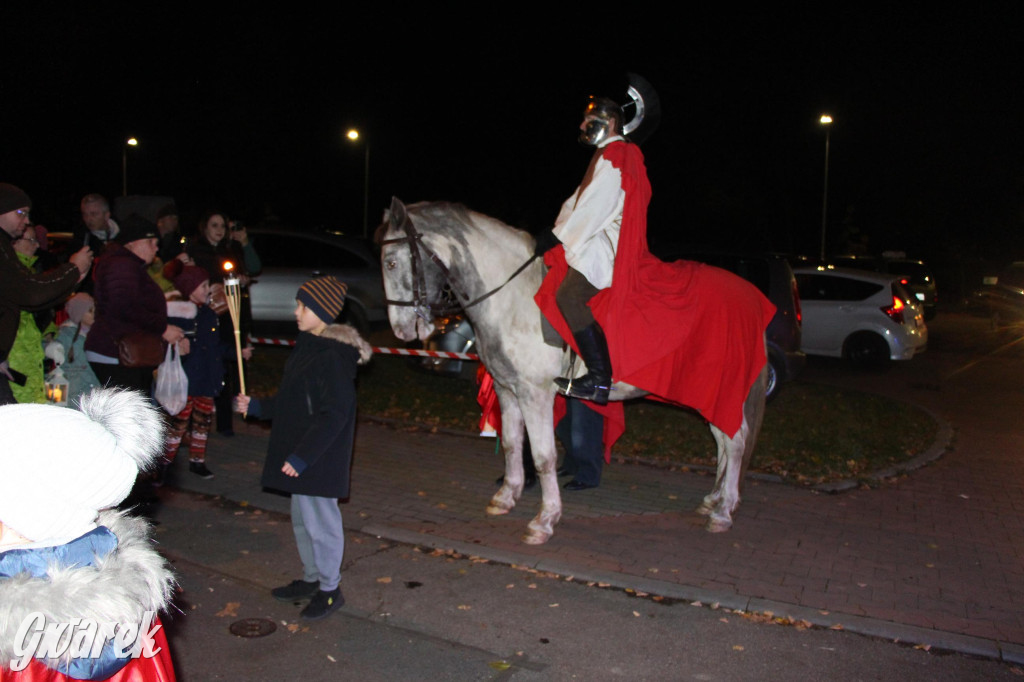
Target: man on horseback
{"x": 588, "y": 228}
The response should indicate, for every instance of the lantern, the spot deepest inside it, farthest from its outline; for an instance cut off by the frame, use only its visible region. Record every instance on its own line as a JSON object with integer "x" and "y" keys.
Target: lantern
{"x": 56, "y": 387}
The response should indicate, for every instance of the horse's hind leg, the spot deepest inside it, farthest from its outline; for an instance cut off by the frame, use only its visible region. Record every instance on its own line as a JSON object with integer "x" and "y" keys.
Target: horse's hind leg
{"x": 733, "y": 458}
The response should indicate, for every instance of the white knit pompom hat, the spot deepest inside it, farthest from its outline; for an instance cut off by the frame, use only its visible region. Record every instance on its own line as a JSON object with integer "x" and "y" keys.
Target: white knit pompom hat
{"x": 60, "y": 467}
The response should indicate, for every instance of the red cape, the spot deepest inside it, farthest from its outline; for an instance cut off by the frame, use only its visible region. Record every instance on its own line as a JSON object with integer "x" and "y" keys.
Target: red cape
{"x": 688, "y": 333}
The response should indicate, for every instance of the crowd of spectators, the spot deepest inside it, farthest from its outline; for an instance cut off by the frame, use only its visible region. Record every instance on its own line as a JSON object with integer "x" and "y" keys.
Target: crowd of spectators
{"x": 115, "y": 286}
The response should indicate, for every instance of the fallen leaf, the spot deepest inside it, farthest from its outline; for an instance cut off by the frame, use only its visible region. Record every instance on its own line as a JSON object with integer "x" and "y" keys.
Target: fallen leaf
{"x": 385, "y": 580}
{"x": 464, "y": 607}
{"x": 737, "y": 647}
{"x": 500, "y": 665}
{"x": 636, "y": 615}
{"x": 552, "y": 606}
{"x": 332, "y": 659}
{"x": 230, "y": 610}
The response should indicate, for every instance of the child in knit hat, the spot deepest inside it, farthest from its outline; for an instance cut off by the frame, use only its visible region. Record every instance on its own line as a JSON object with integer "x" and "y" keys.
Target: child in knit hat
{"x": 310, "y": 450}
{"x": 70, "y": 562}
{"x": 81, "y": 310}
{"x": 203, "y": 362}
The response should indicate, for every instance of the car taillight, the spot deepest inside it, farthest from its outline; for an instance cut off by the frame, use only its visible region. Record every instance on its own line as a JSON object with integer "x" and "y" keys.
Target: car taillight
{"x": 796, "y": 305}
{"x": 895, "y": 311}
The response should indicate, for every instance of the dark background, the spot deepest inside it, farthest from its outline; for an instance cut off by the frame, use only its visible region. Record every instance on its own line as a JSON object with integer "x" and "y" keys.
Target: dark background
{"x": 246, "y": 112}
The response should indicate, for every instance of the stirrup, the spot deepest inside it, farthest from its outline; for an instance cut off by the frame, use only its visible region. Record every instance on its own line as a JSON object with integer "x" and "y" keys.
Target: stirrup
{"x": 582, "y": 390}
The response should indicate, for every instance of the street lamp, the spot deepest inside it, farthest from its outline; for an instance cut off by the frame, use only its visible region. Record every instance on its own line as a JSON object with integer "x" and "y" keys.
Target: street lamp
{"x": 825, "y": 121}
{"x": 353, "y": 135}
{"x": 130, "y": 142}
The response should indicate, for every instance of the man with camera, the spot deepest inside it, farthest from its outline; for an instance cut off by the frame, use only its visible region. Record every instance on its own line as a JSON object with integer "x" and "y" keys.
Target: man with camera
{"x": 21, "y": 289}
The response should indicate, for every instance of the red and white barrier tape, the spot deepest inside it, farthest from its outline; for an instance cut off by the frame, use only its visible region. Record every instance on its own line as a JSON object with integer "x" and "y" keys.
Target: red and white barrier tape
{"x": 384, "y": 351}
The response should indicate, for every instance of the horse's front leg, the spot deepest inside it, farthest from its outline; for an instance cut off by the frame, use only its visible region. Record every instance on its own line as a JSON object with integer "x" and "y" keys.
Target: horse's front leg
{"x": 537, "y": 407}
{"x": 512, "y": 447}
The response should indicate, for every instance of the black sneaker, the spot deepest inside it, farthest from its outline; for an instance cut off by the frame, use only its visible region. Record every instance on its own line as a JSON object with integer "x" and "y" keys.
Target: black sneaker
{"x": 323, "y": 604}
{"x": 200, "y": 470}
{"x": 295, "y": 590}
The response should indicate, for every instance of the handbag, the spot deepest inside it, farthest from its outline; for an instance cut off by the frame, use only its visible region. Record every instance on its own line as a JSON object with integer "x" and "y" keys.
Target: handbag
{"x": 140, "y": 349}
{"x": 171, "y": 389}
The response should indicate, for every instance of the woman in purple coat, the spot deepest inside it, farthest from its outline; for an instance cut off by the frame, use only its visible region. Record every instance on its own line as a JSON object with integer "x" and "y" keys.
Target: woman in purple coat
{"x": 127, "y": 301}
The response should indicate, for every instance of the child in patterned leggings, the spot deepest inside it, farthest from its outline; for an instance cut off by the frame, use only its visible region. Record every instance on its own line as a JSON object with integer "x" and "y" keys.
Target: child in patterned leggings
{"x": 202, "y": 360}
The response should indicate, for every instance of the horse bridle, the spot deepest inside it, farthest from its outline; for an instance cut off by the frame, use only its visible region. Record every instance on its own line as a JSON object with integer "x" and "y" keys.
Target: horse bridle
{"x": 419, "y": 303}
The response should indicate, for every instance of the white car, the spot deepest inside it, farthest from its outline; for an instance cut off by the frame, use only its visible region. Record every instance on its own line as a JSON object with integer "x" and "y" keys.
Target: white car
{"x": 866, "y": 317}
{"x": 290, "y": 257}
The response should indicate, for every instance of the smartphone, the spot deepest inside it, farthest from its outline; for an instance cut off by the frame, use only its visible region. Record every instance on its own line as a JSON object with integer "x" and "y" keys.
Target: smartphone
{"x": 17, "y": 377}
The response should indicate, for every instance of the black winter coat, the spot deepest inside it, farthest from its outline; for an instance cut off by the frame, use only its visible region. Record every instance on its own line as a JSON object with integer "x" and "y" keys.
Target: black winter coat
{"x": 314, "y": 414}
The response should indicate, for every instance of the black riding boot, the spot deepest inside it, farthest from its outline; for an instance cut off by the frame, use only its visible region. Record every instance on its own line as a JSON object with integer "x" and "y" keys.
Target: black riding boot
{"x": 595, "y": 384}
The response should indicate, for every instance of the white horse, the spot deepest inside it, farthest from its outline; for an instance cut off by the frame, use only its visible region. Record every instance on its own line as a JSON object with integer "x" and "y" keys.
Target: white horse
{"x": 491, "y": 269}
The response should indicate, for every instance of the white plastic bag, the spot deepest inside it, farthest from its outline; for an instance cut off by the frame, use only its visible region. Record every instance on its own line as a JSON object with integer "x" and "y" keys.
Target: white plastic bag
{"x": 171, "y": 383}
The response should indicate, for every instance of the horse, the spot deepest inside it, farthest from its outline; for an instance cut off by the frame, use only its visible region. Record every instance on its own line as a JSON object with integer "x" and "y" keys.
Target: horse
{"x": 491, "y": 268}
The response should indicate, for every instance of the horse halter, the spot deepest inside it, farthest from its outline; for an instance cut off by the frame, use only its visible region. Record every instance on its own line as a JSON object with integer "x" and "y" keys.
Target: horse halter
{"x": 420, "y": 303}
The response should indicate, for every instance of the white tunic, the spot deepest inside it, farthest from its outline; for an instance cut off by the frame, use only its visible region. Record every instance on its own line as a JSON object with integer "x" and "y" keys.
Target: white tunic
{"x": 589, "y": 222}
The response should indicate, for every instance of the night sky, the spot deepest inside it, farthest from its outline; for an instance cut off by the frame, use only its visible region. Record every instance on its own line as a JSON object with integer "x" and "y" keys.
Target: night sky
{"x": 247, "y": 113}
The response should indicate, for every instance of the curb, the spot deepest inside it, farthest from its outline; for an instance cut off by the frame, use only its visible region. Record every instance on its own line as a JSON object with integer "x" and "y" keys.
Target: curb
{"x": 861, "y": 625}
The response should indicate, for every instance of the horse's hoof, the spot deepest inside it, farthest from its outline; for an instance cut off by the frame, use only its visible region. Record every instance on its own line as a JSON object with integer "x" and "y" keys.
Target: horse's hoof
{"x": 704, "y": 509}
{"x": 536, "y": 538}
{"x": 494, "y": 510}
{"x": 717, "y": 525}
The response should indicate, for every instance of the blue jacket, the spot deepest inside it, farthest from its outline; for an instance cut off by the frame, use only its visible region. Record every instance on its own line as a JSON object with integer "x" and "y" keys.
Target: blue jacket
{"x": 204, "y": 364}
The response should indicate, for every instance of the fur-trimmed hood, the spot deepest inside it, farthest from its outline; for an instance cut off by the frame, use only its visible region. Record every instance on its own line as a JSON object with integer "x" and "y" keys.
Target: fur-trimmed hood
{"x": 120, "y": 588}
{"x": 344, "y": 333}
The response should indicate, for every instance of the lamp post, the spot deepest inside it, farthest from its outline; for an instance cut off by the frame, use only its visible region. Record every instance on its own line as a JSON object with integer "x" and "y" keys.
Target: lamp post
{"x": 353, "y": 135}
{"x": 130, "y": 142}
{"x": 825, "y": 121}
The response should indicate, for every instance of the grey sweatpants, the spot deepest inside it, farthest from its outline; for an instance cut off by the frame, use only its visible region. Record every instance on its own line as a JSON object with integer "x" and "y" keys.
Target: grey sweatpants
{"x": 320, "y": 537}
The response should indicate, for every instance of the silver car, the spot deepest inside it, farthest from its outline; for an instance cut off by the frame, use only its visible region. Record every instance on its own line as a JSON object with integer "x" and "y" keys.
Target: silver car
{"x": 866, "y": 317}
{"x": 290, "y": 257}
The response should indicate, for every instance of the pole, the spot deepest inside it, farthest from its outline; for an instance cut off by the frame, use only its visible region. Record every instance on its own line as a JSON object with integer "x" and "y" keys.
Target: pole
{"x": 824, "y": 196}
{"x": 366, "y": 188}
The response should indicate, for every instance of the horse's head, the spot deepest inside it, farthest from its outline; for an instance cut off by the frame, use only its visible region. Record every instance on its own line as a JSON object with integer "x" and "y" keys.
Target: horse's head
{"x": 412, "y": 281}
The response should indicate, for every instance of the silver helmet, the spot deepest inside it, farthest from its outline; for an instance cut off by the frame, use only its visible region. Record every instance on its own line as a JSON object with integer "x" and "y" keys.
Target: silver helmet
{"x": 601, "y": 111}
{"x": 600, "y": 117}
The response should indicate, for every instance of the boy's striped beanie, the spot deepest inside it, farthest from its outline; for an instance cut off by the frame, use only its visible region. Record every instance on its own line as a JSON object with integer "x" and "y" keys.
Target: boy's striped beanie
{"x": 325, "y": 296}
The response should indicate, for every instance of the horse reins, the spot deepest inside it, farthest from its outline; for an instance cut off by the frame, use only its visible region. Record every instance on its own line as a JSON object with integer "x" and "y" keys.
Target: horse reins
{"x": 422, "y": 307}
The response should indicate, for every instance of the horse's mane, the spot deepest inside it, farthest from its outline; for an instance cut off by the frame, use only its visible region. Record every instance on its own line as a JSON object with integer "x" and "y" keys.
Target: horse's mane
{"x": 454, "y": 214}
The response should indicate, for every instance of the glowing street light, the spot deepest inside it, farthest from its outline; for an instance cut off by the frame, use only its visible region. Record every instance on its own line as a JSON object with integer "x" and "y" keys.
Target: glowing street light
{"x": 826, "y": 122}
{"x": 130, "y": 142}
{"x": 353, "y": 135}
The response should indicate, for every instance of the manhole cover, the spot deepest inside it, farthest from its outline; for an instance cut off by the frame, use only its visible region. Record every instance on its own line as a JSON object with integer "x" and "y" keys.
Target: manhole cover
{"x": 253, "y": 627}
